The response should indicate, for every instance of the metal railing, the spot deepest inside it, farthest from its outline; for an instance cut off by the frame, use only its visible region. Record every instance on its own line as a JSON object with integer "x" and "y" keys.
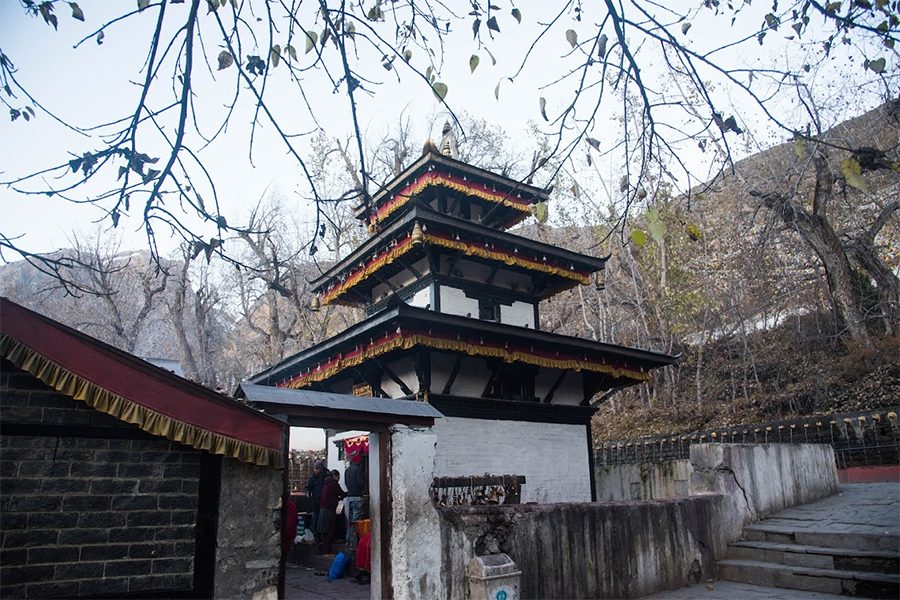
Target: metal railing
{"x": 865, "y": 438}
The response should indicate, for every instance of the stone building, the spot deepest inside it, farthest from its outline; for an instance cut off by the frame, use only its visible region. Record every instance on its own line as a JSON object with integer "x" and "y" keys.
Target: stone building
{"x": 121, "y": 479}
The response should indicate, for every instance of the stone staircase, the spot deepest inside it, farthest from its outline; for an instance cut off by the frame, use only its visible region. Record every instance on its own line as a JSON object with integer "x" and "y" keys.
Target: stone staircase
{"x": 779, "y": 552}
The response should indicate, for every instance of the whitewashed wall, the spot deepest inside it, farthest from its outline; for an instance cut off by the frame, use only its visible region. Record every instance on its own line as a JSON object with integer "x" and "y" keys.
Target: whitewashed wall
{"x": 569, "y": 393}
{"x": 422, "y": 298}
{"x": 405, "y": 370}
{"x": 415, "y": 528}
{"x": 455, "y": 302}
{"x": 331, "y": 452}
{"x": 401, "y": 279}
{"x": 520, "y": 314}
{"x": 552, "y": 457}
{"x": 470, "y": 382}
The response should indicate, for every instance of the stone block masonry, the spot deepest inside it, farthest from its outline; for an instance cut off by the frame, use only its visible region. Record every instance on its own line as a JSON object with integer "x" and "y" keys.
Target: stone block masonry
{"x": 90, "y": 506}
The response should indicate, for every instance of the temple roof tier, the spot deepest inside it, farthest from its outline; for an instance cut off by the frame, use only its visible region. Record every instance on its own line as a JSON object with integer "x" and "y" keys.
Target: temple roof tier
{"x": 404, "y": 327}
{"x": 503, "y": 202}
{"x": 395, "y": 248}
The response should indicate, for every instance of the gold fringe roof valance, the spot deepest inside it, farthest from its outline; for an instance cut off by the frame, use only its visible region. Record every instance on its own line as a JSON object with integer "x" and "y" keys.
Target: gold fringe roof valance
{"x": 405, "y": 340}
{"x": 453, "y": 182}
{"x": 121, "y": 408}
{"x": 466, "y": 247}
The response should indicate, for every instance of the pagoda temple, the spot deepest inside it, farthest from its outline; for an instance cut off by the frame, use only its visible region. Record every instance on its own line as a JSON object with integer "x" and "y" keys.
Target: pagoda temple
{"x": 452, "y": 304}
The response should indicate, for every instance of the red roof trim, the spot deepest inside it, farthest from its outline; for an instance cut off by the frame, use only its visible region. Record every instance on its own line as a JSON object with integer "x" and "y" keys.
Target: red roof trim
{"x": 137, "y": 380}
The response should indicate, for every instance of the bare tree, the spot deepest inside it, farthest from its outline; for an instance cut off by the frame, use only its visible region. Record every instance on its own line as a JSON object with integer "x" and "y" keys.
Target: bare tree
{"x": 609, "y": 59}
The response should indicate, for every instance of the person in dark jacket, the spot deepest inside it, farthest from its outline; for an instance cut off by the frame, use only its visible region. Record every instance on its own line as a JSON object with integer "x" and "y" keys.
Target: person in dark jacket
{"x": 331, "y": 494}
{"x": 314, "y": 486}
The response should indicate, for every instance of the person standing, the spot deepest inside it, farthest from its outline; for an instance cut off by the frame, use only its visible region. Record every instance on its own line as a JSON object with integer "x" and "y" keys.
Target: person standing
{"x": 314, "y": 486}
{"x": 331, "y": 494}
{"x": 355, "y": 479}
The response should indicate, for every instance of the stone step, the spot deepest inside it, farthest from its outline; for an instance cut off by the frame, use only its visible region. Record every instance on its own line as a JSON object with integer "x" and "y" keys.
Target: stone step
{"x": 839, "y": 559}
{"x": 827, "y": 538}
{"x": 829, "y": 581}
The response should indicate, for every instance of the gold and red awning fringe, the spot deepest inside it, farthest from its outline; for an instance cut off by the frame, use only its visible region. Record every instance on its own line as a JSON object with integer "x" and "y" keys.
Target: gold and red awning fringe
{"x": 470, "y": 345}
{"x": 154, "y": 422}
{"x": 466, "y": 247}
{"x": 453, "y": 182}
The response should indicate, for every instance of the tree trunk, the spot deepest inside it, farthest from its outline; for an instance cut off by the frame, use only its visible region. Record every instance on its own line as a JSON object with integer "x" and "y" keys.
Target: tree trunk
{"x": 821, "y": 237}
{"x": 862, "y": 249}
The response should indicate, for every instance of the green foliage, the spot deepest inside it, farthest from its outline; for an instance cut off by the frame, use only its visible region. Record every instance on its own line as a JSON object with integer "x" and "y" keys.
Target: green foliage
{"x": 852, "y": 172}
{"x": 440, "y": 90}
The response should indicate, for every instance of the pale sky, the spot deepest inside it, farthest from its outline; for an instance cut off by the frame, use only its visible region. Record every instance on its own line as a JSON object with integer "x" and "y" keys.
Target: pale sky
{"x": 95, "y": 83}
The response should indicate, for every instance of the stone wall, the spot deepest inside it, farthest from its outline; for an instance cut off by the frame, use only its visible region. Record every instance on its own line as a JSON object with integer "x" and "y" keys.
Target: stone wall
{"x": 90, "y": 506}
{"x": 758, "y": 480}
{"x": 644, "y": 481}
{"x": 249, "y": 532}
{"x": 630, "y": 549}
{"x": 588, "y": 550}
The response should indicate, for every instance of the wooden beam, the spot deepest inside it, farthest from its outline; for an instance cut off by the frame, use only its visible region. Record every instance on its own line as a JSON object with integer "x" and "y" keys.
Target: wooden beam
{"x": 549, "y": 397}
{"x": 384, "y": 470}
{"x": 495, "y": 367}
{"x": 537, "y": 282}
{"x": 456, "y": 199}
{"x": 452, "y": 263}
{"x": 407, "y": 265}
{"x": 422, "y": 363}
{"x": 393, "y": 376}
{"x": 453, "y": 374}
{"x": 494, "y": 270}
{"x": 373, "y": 382}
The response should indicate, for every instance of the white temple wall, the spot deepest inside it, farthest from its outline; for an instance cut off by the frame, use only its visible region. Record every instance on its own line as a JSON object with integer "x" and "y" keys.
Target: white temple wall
{"x": 405, "y": 370}
{"x": 455, "y": 302}
{"x": 332, "y": 459}
{"x": 470, "y": 381}
{"x": 401, "y": 279}
{"x": 520, "y": 314}
{"x": 552, "y": 457}
{"x": 422, "y": 298}
{"x": 570, "y": 392}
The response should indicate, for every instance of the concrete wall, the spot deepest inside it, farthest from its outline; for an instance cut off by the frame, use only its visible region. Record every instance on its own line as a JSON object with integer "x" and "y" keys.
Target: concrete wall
{"x": 415, "y": 555}
{"x": 645, "y": 481}
{"x": 553, "y": 457}
{"x": 588, "y": 550}
{"x": 760, "y": 479}
{"x": 248, "y": 547}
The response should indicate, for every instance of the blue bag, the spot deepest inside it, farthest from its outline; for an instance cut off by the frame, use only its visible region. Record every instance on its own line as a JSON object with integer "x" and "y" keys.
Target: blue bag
{"x": 339, "y": 566}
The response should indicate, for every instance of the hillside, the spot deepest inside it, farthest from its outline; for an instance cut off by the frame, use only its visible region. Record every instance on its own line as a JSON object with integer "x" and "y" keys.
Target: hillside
{"x": 801, "y": 368}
